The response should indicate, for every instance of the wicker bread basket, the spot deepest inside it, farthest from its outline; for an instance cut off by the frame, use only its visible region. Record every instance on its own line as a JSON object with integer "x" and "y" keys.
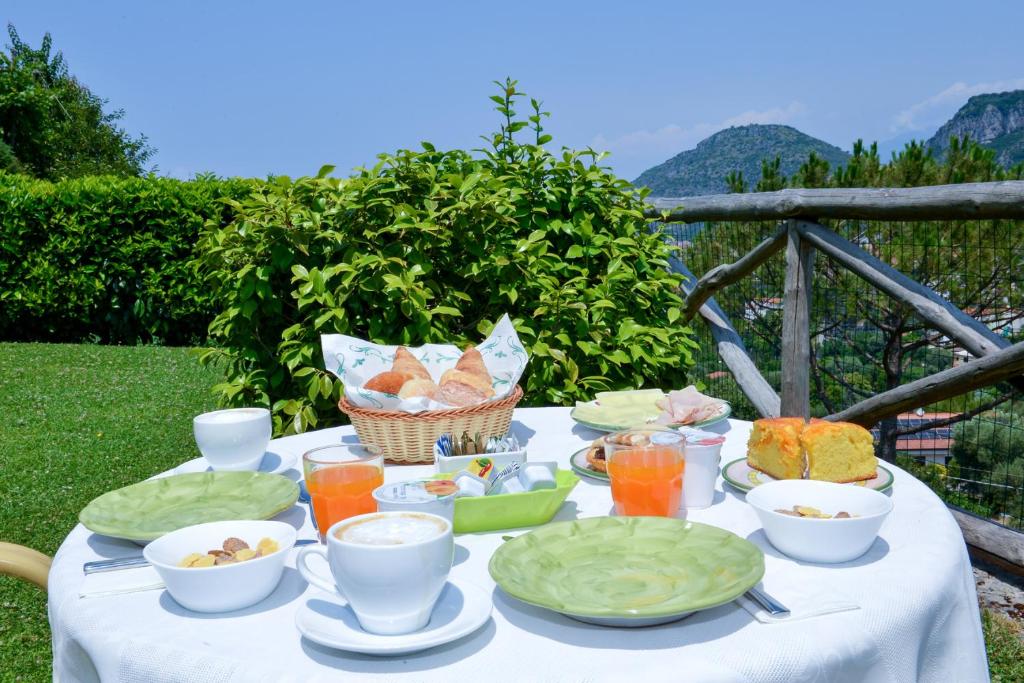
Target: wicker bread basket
{"x": 408, "y": 438}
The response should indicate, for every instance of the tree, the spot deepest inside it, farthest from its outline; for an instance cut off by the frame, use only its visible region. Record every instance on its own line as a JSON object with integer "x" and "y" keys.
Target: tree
{"x": 52, "y": 126}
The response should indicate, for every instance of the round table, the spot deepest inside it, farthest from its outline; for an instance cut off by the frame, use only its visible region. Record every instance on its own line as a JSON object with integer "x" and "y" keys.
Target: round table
{"x": 916, "y": 617}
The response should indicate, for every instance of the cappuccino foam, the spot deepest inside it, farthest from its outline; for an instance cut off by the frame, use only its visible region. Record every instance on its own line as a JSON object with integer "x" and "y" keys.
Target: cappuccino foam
{"x": 391, "y": 530}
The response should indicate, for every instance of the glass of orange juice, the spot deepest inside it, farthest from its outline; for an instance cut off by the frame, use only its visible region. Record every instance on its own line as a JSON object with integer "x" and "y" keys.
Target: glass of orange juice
{"x": 341, "y": 479}
{"x": 646, "y": 471}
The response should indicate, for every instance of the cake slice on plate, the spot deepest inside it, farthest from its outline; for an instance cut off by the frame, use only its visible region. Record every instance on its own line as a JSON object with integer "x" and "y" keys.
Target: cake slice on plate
{"x": 839, "y": 451}
{"x": 774, "y": 447}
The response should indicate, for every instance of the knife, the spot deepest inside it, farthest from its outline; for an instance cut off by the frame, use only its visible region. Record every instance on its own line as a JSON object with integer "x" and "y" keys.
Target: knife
{"x": 97, "y": 566}
{"x": 768, "y": 603}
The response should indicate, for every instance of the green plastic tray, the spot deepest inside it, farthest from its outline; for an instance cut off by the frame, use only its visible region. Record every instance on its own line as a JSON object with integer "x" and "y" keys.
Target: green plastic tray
{"x": 511, "y": 510}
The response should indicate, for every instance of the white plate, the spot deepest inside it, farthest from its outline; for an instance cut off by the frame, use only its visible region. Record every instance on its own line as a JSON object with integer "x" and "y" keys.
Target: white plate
{"x": 744, "y": 477}
{"x": 273, "y": 463}
{"x": 462, "y": 608}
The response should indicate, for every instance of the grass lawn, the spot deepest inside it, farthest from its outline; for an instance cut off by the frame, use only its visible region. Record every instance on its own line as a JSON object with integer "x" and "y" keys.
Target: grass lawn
{"x": 77, "y": 421}
{"x": 81, "y": 420}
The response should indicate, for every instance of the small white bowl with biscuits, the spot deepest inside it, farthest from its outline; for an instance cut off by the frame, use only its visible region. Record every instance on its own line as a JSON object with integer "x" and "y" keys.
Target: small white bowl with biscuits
{"x": 222, "y": 566}
{"x": 819, "y": 521}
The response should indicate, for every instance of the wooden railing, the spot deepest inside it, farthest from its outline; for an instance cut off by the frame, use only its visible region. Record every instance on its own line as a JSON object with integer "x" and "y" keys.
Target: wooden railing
{"x": 800, "y": 236}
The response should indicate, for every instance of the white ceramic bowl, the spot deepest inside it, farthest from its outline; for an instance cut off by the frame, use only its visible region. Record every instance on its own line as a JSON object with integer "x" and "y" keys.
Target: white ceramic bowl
{"x": 226, "y": 587}
{"x": 820, "y": 540}
{"x": 233, "y": 439}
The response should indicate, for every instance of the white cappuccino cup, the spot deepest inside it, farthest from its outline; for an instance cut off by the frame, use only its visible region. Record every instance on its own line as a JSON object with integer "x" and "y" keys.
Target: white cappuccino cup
{"x": 233, "y": 439}
{"x": 389, "y": 566}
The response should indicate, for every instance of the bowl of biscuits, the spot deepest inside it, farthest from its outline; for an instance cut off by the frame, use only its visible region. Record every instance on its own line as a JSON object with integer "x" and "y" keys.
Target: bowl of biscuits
{"x": 222, "y": 566}
{"x": 819, "y": 521}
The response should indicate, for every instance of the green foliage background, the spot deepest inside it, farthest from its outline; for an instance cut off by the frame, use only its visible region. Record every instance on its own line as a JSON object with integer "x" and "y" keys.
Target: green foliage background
{"x": 52, "y": 126}
{"x": 106, "y": 259}
{"x": 434, "y": 246}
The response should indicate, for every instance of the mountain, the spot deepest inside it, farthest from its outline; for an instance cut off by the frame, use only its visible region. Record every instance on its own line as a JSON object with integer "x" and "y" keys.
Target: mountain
{"x": 995, "y": 120}
{"x": 702, "y": 170}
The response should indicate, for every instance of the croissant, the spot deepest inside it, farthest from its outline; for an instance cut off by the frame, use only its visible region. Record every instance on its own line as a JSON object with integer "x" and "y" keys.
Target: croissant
{"x": 473, "y": 363}
{"x": 388, "y": 382}
{"x": 406, "y": 362}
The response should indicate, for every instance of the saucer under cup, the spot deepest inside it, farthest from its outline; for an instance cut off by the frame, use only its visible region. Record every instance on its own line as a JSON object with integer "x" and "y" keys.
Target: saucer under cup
{"x": 462, "y": 608}
{"x": 233, "y": 439}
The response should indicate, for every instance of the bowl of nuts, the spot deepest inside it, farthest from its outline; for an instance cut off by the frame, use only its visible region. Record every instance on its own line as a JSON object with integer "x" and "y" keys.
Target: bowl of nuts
{"x": 819, "y": 521}
{"x": 222, "y": 566}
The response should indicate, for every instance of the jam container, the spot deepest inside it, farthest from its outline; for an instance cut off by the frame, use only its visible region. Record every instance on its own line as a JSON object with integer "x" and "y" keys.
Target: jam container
{"x": 436, "y": 496}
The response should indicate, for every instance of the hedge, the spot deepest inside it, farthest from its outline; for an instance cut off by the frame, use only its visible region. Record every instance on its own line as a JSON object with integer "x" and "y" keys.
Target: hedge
{"x": 107, "y": 259}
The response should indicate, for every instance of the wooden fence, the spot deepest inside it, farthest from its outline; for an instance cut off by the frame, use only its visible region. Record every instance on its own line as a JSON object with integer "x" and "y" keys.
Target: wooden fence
{"x": 800, "y": 236}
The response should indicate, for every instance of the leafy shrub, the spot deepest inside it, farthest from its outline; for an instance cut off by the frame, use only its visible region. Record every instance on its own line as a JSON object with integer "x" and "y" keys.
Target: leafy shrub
{"x": 433, "y": 246}
{"x": 106, "y": 258}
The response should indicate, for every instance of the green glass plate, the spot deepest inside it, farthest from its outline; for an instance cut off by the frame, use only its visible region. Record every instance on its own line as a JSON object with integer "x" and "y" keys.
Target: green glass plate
{"x": 618, "y": 418}
{"x": 152, "y": 508}
{"x": 627, "y": 571}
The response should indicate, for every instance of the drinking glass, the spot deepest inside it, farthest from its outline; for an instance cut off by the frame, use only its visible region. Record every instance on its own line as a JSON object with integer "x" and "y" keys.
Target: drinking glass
{"x": 646, "y": 472}
{"x": 341, "y": 479}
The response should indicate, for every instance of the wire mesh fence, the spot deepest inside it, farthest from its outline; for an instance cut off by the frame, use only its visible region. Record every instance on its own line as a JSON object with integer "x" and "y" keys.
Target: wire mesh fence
{"x": 969, "y": 449}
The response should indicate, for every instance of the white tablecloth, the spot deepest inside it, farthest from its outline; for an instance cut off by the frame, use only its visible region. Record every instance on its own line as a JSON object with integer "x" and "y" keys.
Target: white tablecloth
{"x": 918, "y": 618}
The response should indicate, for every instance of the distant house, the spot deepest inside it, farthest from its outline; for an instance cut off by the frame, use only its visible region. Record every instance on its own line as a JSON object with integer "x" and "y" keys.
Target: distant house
{"x": 930, "y": 445}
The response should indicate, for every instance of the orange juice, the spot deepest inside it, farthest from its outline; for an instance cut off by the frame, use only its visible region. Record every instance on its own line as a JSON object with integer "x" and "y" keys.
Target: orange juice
{"x": 647, "y": 481}
{"x": 342, "y": 491}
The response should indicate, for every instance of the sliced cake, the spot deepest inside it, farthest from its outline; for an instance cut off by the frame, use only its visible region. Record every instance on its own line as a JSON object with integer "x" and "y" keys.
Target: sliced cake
{"x": 839, "y": 451}
{"x": 774, "y": 447}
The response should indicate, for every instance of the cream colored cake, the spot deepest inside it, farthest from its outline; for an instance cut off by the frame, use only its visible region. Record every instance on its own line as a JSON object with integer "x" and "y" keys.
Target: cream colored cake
{"x": 774, "y": 447}
{"x": 839, "y": 451}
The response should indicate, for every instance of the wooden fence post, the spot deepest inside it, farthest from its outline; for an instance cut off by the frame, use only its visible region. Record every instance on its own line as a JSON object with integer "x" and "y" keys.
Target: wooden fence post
{"x": 796, "y": 339}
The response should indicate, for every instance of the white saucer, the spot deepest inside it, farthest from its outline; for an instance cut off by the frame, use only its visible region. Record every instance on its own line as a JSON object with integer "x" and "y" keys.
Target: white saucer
{"x": 272, "y": 463}
{"x": 462, "y": 608}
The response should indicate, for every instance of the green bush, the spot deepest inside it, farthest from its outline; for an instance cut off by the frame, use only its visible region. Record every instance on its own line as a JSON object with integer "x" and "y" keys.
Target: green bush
{"x": 433, "y": 246}
{"x": 106, "y": 259}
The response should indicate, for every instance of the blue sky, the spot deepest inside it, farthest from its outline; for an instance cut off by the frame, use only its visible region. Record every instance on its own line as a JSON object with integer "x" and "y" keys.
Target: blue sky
{"x": 251, "y": 88}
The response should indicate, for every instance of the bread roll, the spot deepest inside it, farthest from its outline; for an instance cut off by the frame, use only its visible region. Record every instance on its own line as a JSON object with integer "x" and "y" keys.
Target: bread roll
{"x": 406, "y": 363}
{"x": 472, "y": 381}
{"x": 417, "y": 387}
{"x": 459, "y": 388}
{"x": 388, "y": 382}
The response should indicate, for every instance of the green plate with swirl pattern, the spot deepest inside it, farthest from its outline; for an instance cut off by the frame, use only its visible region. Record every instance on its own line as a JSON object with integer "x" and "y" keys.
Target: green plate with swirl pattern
{"x": 152, "y": 508}
{"x": 627, "y": 571}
